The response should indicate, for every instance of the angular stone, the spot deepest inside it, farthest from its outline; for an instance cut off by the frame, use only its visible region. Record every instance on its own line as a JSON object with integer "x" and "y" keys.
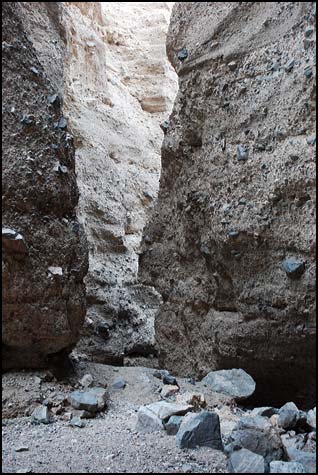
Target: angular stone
{"x": 86, "y": 381}
{"x": 62, "y": 123}
{"x": 242, "y": 152}
{"x": 28, "y": 119}
{"x": 286, "y": 467}
{"x": 182, "y": 54}
{"x": 173, "y": 425}
{"x": 55, "y": 270}
{"x": 289, "y": 66}
{"x": 233, "y": 382}
{"x": 199, "y": 430}
{"x": 168, "y": 379}
{"x": 77, "y": 422}
{"x": 148, "y": 421}
{"x": 245, "y": 461}
{"x": 293, "y": 267}
{"x": 259, "y": 436}
{"x": 13, "y": 242}
{"x": 41, "y": 415}
{"x": 306, "y": 459}
{"x": 311, "y": 140}
{"x": 288, "y": 419}
{"x": 232, "y": 66}
{"x": 308, "y": 71}
{"x": 93, "y": 400}
{"x": 169, "y": 390}
{"x": 21, "y": 448}
{"x": 312, "y": 418}
{"x": 151, "y": 417}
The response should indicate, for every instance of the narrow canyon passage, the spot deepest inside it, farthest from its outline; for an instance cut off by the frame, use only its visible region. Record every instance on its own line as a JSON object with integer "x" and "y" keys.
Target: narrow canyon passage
{"x": 158, "y": 237}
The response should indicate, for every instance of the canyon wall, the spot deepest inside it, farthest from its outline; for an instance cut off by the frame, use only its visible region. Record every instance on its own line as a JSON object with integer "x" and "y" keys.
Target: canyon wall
{"x": 119, "y": 87}
{"x": 44, "y": 248}
{"x": 231, "y": 242}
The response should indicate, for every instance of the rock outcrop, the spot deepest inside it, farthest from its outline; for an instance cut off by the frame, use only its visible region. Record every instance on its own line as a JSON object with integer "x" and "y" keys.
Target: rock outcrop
{"x": 119, "y": 88}
{"x": 231, "y": 243}
{"x": 44, "y": 248}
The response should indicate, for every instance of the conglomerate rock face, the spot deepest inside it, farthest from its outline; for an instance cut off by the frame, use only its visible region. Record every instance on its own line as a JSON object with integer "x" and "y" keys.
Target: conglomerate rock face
{"x": 119, "y": 87}
{"x": 44, "y": 248}
{"x": 230, "y": 245}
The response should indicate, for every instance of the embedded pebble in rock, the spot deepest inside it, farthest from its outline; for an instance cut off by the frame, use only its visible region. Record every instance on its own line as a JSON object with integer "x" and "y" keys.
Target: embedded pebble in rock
{"x": 182, "y": 54}
{"x": 234, "y": 382}
{"x": 245, "y": 461}
{"x": 242, "y": 152}
{"x": 286, "y": 467}
{"x": 293, "y": 267}
{"x": 197, "y": 430}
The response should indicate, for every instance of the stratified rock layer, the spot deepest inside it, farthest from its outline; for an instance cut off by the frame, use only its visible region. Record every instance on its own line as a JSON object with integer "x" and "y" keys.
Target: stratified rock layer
{"x": 44, "y": 248}
{"x": 237, "y": 197}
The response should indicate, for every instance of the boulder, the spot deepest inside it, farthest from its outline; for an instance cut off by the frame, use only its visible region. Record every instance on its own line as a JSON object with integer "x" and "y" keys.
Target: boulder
{"x": 93, "y": 400}
{"x": 198, "y": 430}
{"x": 307, "y": 459}
{"x": 258, "y": 435}
{"x": 233, "y": 382}
{"x": 151, "y": 417}
{"x": 286, "y": 467}
{"x": 173, "y": 425}
{"x": 245, "y": 461}
{"x": 41, "y": 415}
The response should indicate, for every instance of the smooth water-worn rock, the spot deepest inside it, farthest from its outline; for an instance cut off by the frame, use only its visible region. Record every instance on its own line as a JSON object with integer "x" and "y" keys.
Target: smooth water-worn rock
{"x": 286, "y": 467}
{"x": 197, "y": 430}
{"x": 245, "y": 461}
{"x": 227, "y": 301}
{"x": 234, "y": 382}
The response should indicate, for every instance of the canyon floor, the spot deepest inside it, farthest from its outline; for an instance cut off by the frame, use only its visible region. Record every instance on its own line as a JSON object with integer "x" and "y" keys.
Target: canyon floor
{"x": 107, "y": 443}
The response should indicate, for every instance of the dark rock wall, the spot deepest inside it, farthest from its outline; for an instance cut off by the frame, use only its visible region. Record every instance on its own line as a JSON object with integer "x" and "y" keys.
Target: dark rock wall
{"x": 44, "y": 248}
{"x": 231, "y": 243}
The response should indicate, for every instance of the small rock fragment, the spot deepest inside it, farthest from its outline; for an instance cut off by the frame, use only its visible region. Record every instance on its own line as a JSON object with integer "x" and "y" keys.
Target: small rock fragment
{"x": 168, "y": 379}
{"x": 289, "y": 66}
{"x": 28, "y": 119}
{"x": 169, "y": 390}
{"x": 311, "y": 140}
{"x": 308, "y": 71}
{"x": 232, "y": 66}
{"x": 62, "y": 123}
{"x": 22, "y": 448}
{"x": 86, "y": 381}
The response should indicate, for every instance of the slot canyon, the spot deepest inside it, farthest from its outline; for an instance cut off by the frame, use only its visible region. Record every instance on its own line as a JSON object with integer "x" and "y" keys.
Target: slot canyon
{"x": 158, "y": 237}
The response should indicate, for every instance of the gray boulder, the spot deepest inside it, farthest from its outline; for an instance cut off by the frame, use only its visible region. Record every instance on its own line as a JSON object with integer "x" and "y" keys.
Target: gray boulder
{"x": 286, "y": 467}
{"x": 152, "y": 416}
{"x": 245, "y": 461}
{"x": 93, "y": 400}
{"x": 307, "y": 459}
{"x": 41, "y": 415}
{"x": 312, "y": 418}
{"x": 258, "y": 435}
{"x": 201, "y": 429}
{"x": 233, "y": 382}
{"x": 173, "y": 425}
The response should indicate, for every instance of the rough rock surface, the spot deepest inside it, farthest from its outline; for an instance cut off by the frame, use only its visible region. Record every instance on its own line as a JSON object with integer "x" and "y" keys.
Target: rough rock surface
{"x": 233, "y": 382}
{"x": 44, "y": 249}
{"x": 237, "y": 198}
{"x": 119, "y": 88}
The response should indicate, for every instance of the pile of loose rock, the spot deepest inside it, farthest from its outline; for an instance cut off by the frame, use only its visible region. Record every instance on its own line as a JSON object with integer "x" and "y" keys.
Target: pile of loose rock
{"x": 262, "y": 440}
{"x": 80, "y": 404}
